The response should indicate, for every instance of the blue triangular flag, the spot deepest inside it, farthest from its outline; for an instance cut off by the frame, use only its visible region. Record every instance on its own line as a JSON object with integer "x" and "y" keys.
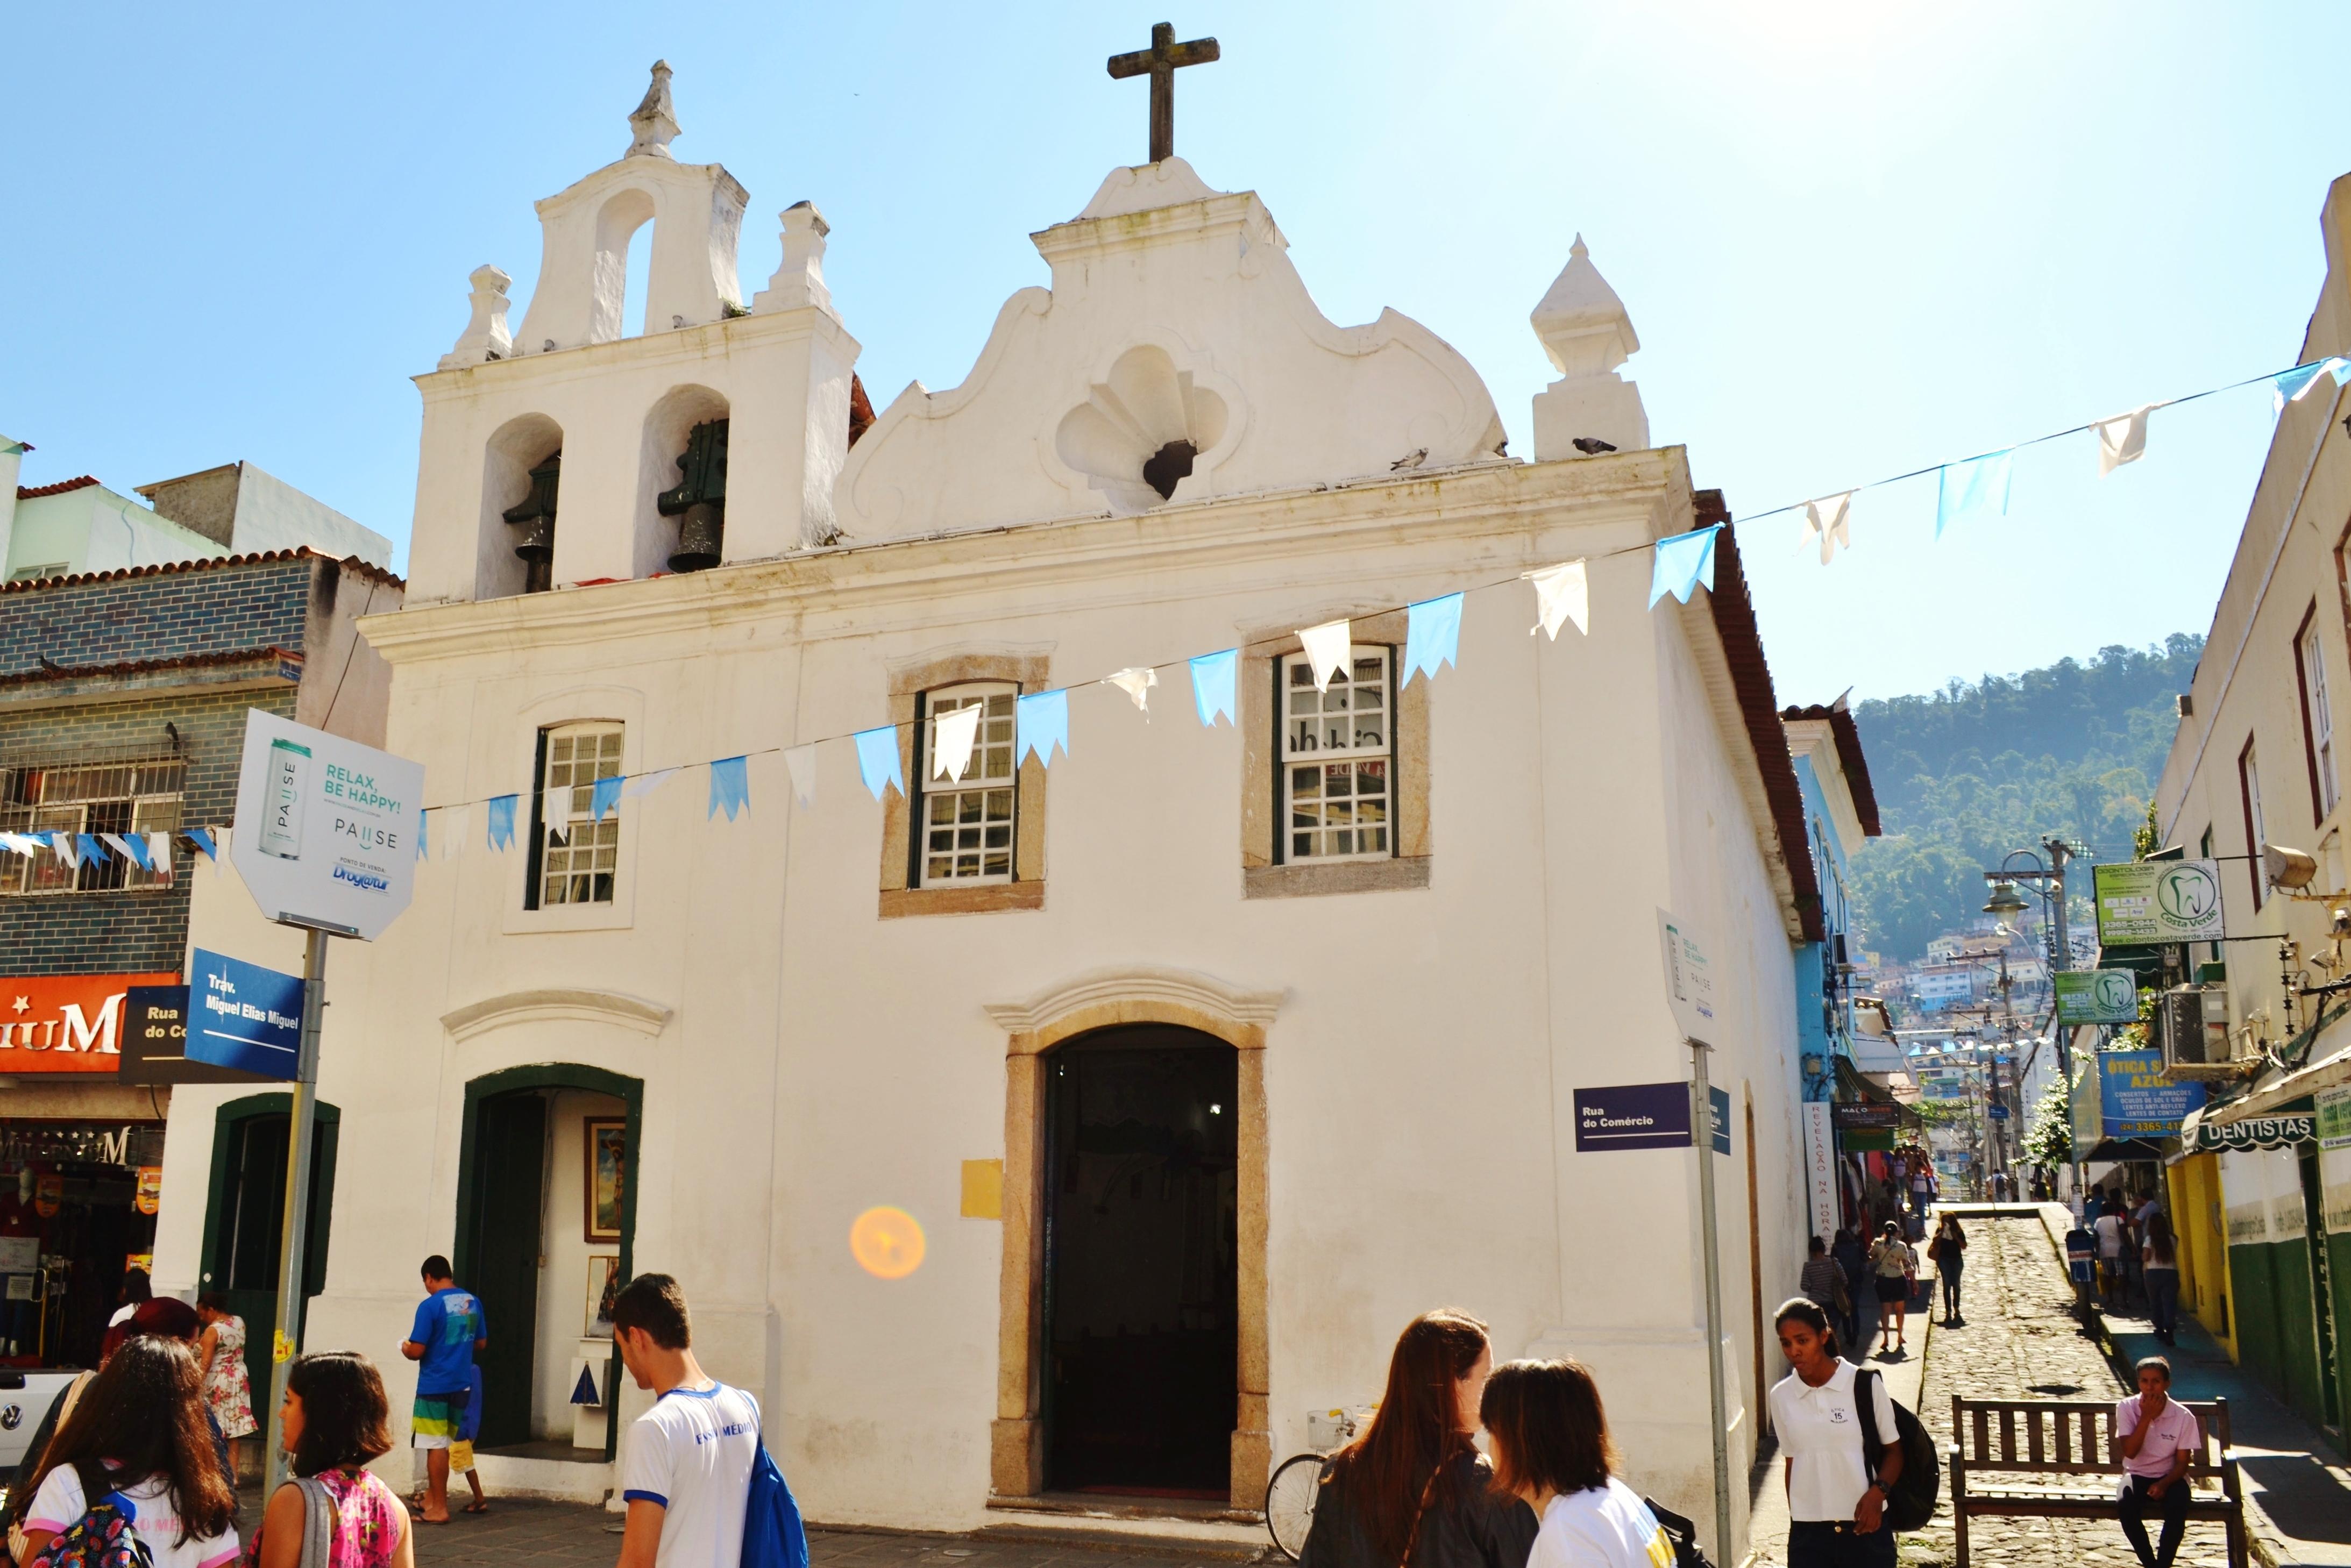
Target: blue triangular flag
{"x": 606, "y": 794}
{"x": 1975, "y": 488}
{"x": 1212, "y": 685}
{"x": 1044, "y": 722}
{"x": 422, "y": 817}
{"x": 1432, "y": 637}
{"x": 136, "y": 847}
{"x": 2296, "y": 381}
{"x": 584, "y": 1391}
{"x": 91, "y": 848}
{"x": 1684, "y": 561}
{"x": 201, "y": 837}
{"x": 730, "y": 786}
{"x": 877, "y": 759}
{"x": 500, "y": 820}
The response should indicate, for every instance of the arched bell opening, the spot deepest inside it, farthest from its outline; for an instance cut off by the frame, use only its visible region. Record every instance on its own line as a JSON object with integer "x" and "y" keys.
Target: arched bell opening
{"x": 682, "y": 508}
{"x": 521, "y": 480}
{"x": 617, "y": 224}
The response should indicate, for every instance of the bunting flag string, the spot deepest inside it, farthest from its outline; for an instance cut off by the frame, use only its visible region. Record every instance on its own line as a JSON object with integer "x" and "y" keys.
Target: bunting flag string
{"x": 1563, "y": 593}
{"x": 730, "y": 787}
{"x": 1136, "y": 683}
{"x": 2122, "y": 440}
{"x": 1973, "y": 489}
{"x": 1327, "y": 646}
{"x": 800, "y": 761}
{"x": 953, "y": 734}
{"x": 1042, "y": 723}
{"x": 1828, "y": 518}
{"x": 453, "y": 843}
{"x": 1432, "y": 637}
{"x": 202, "y": 839}
{"x": 1684, "y": 561}
{"x": 643, "y": 784}
{"x": 500, "y": 821}
{"x": 877, "y": 759}
{"x": 1212, "y": 686}
{"x": 604, "y": 796}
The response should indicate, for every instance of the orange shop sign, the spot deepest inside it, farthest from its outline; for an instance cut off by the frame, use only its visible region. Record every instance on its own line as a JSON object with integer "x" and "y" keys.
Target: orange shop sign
{"x": 66, "y": 1022}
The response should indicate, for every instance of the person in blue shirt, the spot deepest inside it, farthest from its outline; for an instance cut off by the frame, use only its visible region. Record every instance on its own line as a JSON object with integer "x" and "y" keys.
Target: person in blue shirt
{"x": 448, "y": 1331}
{"x": 2082, "y": 1266}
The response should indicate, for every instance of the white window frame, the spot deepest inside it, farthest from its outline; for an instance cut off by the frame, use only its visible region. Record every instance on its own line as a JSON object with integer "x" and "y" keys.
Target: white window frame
{"x": 1313, "y": 824}
{"x": 563, "y": 817}
{"x": 977, "y": 844}
{"x": 2321, "y": 715}
{"x": 59, "y": 798}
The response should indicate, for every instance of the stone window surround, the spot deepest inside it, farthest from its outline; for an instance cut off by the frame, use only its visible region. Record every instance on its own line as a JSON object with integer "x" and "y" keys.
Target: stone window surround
{"x": 1102, "y": 1000}
{"x": 1261, "y": 878}
{"x": 1029, "y": 669}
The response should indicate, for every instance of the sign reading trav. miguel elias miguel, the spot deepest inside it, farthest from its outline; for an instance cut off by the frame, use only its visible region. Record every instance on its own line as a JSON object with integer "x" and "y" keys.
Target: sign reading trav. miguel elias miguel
{"x": 66, "y": 1022}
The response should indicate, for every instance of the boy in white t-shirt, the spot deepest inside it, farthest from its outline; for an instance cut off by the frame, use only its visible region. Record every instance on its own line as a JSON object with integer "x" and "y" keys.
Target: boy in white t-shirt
{"x": 686, "y": 1464}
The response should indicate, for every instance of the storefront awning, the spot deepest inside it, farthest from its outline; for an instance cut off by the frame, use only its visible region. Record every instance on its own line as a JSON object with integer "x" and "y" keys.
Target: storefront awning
{"x": 2123, "y": 1150}
{"x": 2239, "y": 1124}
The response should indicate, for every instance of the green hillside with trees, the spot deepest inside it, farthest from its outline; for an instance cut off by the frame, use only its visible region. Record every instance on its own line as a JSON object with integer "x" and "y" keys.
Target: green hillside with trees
{"x": 1965, "y": 774}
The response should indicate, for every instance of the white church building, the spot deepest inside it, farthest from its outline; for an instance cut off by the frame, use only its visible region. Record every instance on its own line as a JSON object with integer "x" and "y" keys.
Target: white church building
{"x": 1184, "y": 1069}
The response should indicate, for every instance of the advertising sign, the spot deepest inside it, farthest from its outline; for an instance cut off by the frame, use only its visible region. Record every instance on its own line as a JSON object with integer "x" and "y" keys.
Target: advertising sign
{"x": 1690, "y": 978}
{"x": 2282, "y": 1128}
{"x": 66, "y": 1023}
{"x": 155, "y": 1041}
{"x": 2333, "y": 1109}
{"x": 325, "y": 826}
{"x": 1644, "y": 1116}
{"x": 2098, "y": 996}
{"x": 2135, "y": 1100}
{"x": 2158, "y": 902}
{"x": 1867, "y": 1114}
{"x": 246, "y": 1017}
{"x": 1820, "y": 1170}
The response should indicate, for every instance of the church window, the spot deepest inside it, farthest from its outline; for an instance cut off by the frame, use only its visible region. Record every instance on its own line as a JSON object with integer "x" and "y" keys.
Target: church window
{"x": 1337, "y": 759}
{"x": 575, "y": 859}
{"x": 965, "y": 830}
{"x": 140, "y": 796}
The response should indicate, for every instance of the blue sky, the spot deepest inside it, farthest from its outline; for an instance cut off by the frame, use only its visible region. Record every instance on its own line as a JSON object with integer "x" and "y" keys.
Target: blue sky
{"x": 1855, "y": 238}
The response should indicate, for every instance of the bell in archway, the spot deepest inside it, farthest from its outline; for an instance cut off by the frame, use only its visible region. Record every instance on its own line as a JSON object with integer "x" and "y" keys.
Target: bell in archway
{"x": 534, "y": 519}
{"x": 699, "y": 502}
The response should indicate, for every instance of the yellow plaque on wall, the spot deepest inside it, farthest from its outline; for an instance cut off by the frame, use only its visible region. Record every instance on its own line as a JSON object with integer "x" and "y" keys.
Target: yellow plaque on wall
{"x": 982, "y": 1189}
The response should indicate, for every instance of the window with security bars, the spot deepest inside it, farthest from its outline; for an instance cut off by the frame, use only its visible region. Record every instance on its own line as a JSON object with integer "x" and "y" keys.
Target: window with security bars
{"x": 966, "y": 824}
{"x": 138, "y": 795}
{"x": 578, "y": 858}
{"x": 1338, "y": 749}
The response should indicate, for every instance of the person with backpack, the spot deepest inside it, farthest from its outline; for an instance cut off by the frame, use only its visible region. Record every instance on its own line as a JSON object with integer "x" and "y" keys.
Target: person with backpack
{"x": 135, "y": 1459}
{"x": 687, "y": 1464}
{"x": 333, "y": 1421}
{"x": 1552, "y": 1452}
{"x": 1836, "y": 1498}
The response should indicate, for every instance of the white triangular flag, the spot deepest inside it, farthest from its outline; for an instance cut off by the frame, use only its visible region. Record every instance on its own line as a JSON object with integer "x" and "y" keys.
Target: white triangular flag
{"x": 1136, "y": 683}
{"x": 1828, "y": 517}
{"x": 1327, "y": 646}
{"x": 2121, "y": 440}
{"x": 643, "y": 784}
{"x": 801, "y": 761}
{"x": 457, "y": 819}
{"x": 67, "y": 847}
{"x": 159, "y": 851}
{"x": 952, "y": 735}
{"x": 1563, "y": 593}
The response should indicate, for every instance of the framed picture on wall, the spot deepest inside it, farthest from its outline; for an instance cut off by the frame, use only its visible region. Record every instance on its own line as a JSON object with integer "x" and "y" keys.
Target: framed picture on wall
{"x": 604, "y": 1285}
{"x": 607, "y": 1144}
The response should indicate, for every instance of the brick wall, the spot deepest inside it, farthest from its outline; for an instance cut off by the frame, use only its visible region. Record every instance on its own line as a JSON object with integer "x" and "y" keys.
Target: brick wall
{"x": 165, "y": 615}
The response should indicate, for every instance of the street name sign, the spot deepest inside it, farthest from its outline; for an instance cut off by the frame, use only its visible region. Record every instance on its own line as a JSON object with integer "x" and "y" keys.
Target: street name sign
{"x": 2098, "y": 996}
{"x": 155, "y": 1041}
{"x": 1690, "y": 978}
{"x": 325, "y": 826}
{"x": 244, "y": 1016}
{"x": 2158, "y": 902}
{"x": 1644, "y": 1116}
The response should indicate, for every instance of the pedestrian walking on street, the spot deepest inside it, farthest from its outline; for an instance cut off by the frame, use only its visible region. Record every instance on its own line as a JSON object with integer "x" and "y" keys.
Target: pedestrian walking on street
{"x": 1552, "y": 1451}
{"x": 333, "y": 1421}
{"x": 2159, "y": 1257}
{"x": 2114, "y": 1236}
{"x": 685, "y": 1465}
{"x": 1949, "y": 1251}
{"x": 2160, "y": 1438}
{"x": 1412, "y": 1491}
{"x": 1836, "y": 1506}
{"x": 1922, "y": 1184}
{"x": 137, "y": 1290}
{"x": 1894, "y": 1264}
{"x": 1852, "y": 1255}
{"x": 220, "y": 1351}
{"x": 139, "y": 1435}
{"x": 449, "y": 1330}
{"x": 2082, "y": 1268}
{"x": 1824, "y": 1281}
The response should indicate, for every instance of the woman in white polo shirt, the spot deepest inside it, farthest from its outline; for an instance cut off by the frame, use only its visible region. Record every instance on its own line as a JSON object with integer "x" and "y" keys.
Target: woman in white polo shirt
{"x": 1835, "y": 1507}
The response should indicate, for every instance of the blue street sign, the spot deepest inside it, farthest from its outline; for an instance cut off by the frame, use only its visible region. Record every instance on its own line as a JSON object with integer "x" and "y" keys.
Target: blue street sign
{"x": 244, "y": 1016}
{"x": 1644, "y": 1116}
{"x": 1997, "y": 1113}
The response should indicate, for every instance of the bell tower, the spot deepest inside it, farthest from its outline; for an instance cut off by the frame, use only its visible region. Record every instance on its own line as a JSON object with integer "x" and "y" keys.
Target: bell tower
{"x": 562, "y": 452}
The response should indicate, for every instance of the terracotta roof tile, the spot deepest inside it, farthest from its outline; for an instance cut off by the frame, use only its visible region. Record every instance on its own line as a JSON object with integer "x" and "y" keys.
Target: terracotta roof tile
{"x": 59, "y": 488}
{"x": 1856, "y": 766}
{"x": 52, "y": 671}
{"x": 348, "y": 563}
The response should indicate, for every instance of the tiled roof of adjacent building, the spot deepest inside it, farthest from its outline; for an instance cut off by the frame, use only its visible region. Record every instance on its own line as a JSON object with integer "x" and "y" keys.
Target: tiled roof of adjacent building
{"x": 34, "y": 493}
{"x": 51, "y": 671}
{"x": 1856, "y": 766}
{"x": 349, "y": 562}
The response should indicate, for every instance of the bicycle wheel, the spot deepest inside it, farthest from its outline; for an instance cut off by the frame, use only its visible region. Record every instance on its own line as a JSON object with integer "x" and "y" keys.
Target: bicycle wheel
{"x": 1290, "y": 1503}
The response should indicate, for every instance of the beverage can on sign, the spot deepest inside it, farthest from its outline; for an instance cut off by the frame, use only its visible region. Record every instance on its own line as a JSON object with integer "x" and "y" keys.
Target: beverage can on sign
{"x": 281, "y": 816}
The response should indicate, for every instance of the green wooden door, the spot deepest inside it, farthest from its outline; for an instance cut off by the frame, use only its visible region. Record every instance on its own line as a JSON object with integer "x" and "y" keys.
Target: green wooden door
{"x": 510, "y": 1147}
{"x": 245, "y": 1219}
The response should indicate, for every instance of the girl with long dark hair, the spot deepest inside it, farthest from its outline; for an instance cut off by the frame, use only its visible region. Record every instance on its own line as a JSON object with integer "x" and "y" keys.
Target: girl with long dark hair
{"x": 2160, "y": 1261}
{"x": 140, "y": 1430}
{"x": 1413, "y": 1491}
{"x": 1552, "y": 1451}
{"x": 1836, "y": 1506}
{"x": 333, "y": 1421}
{"x": 1949, "y": 1251}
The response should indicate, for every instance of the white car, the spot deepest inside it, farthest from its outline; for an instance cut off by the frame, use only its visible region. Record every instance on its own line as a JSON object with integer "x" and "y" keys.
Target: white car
{"x": 26, "y": 1397}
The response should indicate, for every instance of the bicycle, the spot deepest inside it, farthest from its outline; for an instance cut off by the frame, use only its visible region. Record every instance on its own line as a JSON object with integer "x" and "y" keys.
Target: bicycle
{"x": 1290, "y": 1495}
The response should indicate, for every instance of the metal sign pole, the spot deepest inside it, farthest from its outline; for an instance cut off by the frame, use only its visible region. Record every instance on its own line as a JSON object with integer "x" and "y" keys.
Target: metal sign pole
{"x": 288, "y": 1335}
{"x": 1702, "y": 1140}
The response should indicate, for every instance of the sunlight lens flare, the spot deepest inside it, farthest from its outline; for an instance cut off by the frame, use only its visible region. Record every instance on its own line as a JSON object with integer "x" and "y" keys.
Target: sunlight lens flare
{"x": 886, "y": 1242}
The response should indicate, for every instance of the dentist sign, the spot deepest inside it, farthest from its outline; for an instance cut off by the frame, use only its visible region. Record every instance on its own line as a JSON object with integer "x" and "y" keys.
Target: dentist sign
{"x": 325, "y": 827}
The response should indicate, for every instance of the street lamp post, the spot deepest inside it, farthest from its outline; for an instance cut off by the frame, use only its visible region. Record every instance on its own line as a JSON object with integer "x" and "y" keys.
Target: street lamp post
{"x": 2049, "y": 883}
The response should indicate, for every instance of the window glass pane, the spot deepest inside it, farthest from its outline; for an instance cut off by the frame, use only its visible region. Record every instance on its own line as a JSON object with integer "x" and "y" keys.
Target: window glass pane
{"x": 579, "y": 857}
{"x": 1337, "y": 806}
{"x": 978, "y": 806}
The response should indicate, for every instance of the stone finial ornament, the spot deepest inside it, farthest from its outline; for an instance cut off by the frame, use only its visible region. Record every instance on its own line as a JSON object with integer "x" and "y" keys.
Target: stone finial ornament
{"x": 655, "y": 121}
{"x": 1586, "y": 333}
{"x": 485, "y": 336}
{"x": 800, "y": 279}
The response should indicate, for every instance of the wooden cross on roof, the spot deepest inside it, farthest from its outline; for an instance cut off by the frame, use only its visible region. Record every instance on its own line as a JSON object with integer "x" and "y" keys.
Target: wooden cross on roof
{"x": 1160, "y": 62}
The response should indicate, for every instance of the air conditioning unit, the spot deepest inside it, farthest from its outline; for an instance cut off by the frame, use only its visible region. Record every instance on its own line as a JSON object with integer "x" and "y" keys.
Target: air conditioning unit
{"x": 2193, "y": 1021}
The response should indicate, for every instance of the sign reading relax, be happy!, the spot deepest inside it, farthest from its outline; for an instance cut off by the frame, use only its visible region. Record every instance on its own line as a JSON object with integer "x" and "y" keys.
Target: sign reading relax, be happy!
{"x": 326, "y": 828}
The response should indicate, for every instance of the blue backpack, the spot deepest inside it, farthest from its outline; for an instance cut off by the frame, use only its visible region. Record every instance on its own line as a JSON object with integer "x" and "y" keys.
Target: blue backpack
{"x": 102, "y": 1536}
{"x": 772, "y": 1534}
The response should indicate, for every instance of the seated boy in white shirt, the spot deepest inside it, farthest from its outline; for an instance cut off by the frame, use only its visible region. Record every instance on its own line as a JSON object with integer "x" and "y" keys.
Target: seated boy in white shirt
{"x": 686, "y": 1464}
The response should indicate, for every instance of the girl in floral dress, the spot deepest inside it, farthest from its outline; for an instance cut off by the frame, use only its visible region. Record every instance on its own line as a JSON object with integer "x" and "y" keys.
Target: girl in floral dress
{"x": 335, "y": 1419}
{"x": 220, "y": 1351}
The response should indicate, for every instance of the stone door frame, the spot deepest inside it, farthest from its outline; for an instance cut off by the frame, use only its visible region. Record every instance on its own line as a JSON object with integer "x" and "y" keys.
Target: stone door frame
{"x": 1101, "y": 1001}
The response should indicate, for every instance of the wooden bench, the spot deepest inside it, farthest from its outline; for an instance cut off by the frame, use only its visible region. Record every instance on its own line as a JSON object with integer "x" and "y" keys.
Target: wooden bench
{"x": 2062, "y": 1459}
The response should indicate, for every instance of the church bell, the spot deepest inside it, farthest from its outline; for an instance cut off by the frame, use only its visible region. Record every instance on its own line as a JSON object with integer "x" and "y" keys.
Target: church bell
{"x": 699, "y": 502}
{"x": 534, "y": 518}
